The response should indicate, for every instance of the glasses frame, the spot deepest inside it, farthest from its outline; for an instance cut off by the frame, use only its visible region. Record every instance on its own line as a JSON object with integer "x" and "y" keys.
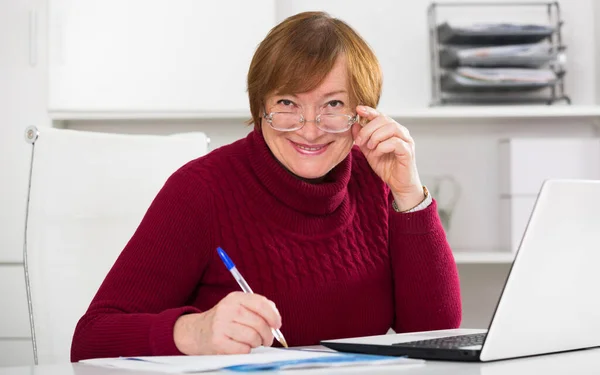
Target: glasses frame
{"x": 352, "y": 119}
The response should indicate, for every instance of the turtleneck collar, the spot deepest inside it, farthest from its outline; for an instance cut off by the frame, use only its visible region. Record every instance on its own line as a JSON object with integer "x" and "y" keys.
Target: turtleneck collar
{"x": 310, "y": 198}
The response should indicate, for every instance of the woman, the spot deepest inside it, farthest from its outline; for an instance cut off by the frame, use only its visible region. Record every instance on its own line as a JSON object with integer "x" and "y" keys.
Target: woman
{"x": 320, "y": 207}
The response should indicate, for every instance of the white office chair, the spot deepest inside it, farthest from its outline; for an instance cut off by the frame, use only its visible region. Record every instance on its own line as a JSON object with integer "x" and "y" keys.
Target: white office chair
{"x": 87, "y": 194}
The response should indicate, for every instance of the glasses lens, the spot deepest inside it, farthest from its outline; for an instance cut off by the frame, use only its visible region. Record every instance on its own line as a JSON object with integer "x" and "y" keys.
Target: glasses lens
{"x": 335, "y": 123}
{"x": 286, "y": 121}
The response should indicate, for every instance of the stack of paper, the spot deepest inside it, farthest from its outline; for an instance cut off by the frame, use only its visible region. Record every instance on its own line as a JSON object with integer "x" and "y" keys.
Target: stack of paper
{"x": 508, "y": 74}
{"x": 516, "y": 50}
{"x": 260, "y": 360}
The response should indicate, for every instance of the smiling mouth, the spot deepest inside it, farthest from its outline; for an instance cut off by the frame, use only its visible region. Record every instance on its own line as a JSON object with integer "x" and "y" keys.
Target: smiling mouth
{"x": 310, "y": 149}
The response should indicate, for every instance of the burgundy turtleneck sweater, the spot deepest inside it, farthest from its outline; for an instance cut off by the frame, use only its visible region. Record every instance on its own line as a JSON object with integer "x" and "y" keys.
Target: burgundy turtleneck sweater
{"x": 335, "y": 257}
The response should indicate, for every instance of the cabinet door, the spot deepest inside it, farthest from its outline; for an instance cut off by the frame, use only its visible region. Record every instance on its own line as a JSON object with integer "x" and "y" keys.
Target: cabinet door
{"x": 15, "y": 314}
{"x": 154, "y": 55}
{"x": 17, "y": 352}
{"x": 23, "y": 98}
{"x": 596, "y": 17}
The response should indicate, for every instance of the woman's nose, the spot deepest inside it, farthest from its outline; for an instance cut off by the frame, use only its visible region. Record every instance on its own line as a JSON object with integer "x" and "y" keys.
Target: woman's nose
{"x": 310, "y": 115}
{"x": 310, "y": 131}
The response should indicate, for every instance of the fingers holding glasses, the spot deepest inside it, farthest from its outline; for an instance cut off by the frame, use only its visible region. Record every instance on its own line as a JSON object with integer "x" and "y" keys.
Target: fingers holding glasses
{"x": 378, "y": 128}
{"x": 389, "y": 150}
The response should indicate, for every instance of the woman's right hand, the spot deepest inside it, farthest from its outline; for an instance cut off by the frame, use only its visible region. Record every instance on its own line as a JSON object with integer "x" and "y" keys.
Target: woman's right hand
{"x": 238, "y": 323}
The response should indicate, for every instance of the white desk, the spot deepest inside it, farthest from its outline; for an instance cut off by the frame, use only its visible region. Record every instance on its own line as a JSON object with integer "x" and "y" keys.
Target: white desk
{"x": 573, "y": 363}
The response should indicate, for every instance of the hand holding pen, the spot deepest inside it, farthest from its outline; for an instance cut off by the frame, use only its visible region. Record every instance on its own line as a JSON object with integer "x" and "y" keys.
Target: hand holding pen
{"x": 246, "y": 288}
{"x": 239, "y": 322}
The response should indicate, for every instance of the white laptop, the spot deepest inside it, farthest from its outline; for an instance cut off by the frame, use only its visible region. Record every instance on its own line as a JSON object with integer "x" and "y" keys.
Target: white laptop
{"x": 550, "y": 302}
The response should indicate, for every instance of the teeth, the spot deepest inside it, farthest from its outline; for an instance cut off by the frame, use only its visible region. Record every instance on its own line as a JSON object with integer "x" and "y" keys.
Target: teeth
{"x": 309, "y": 148}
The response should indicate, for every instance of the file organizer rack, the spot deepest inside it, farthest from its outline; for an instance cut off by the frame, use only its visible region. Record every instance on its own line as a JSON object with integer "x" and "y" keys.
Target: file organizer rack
{"x": 554, "y": 92}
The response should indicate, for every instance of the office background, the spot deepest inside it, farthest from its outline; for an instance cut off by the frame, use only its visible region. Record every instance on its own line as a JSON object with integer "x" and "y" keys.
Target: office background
{"x": 108, "y": 67}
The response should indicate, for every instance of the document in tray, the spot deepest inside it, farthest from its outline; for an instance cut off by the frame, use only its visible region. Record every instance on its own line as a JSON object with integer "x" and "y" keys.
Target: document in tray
{"x": 263, "y": 359}
{"x": 521, "y": 50}
{"x": 508, "y": 74}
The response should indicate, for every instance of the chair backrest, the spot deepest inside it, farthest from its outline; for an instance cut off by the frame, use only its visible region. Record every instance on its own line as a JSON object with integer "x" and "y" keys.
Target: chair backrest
{"x": 88, "y": 193}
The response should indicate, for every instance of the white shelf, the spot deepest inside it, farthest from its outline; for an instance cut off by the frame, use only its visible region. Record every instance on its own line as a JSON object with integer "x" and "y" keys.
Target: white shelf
{"x": 409, "y": 115}
{"x": 499, "y": 112}
{"x": 139, "y": 115}
{"x": 495, "y": 257}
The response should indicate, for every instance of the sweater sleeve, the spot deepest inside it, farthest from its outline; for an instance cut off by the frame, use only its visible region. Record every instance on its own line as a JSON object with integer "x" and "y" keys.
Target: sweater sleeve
{"x": 426, "y": 283}
{"x": 147, "y": 289}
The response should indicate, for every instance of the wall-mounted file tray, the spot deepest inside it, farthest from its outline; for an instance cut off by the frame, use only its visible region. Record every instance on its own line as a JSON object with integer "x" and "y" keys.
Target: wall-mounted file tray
{"x": 497, "y": 80}
{"x": 492, "y": 34}
{"x": 517, "y": 55}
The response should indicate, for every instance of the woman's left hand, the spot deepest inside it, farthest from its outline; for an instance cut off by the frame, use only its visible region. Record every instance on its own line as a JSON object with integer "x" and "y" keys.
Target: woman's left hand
{"x": 390, "y": 151}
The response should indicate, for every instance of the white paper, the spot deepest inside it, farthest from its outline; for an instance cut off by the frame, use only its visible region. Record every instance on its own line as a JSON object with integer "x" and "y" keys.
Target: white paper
{"x": 508, "y": 74}
{"x": 522, "y": 50}
{"x": 189, "y": 364}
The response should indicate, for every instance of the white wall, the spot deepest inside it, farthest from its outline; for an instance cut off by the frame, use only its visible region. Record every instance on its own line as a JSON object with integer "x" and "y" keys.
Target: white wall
{"x": 157, "y": 55}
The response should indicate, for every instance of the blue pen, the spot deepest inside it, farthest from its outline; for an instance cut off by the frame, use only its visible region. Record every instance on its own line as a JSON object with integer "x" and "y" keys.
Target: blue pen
{"x": 246, "y": 288}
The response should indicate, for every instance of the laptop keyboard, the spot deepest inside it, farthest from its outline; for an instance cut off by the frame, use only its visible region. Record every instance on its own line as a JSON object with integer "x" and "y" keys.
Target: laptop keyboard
{"x": 452, "y": 342}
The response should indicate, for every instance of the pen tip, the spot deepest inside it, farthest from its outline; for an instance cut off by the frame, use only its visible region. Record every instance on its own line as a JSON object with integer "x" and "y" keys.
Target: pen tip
{"x": 283, "y": 342}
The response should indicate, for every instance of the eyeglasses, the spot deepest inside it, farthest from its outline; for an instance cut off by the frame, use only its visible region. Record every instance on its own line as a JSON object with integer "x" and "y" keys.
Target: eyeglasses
{"x": 292, "y": 121}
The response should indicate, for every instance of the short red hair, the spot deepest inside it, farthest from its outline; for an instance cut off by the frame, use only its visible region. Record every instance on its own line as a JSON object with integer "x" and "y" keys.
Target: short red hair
{"x": 298, "y": 54}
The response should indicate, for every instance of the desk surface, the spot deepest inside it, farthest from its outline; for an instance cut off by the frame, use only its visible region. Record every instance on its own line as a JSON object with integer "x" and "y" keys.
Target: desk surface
{"x": 572, "y": 363}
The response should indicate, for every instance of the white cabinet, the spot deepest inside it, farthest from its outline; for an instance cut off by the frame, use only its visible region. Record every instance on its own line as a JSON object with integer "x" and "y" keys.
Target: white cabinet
{"x": 23, "y": 96}
{"x": 153, "y": 55}
{"x": 15, "y": 319}
{"x": 524, "y": 165}
{"x": 515, "y": 213}
{"x": 527, "y": 162}
{"x": 16, "y": 352}
{"x": 596, "y": 39}
{"x": 22, "y": 103}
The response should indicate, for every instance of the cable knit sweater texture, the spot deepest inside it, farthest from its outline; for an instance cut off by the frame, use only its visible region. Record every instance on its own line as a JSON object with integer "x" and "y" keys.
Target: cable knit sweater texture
{"x": 334, "y": 256}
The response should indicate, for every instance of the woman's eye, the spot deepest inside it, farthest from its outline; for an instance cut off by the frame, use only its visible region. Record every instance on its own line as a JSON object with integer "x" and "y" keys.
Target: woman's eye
{"x": 285, "y": 102}
{"x": 335, "y": 103}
